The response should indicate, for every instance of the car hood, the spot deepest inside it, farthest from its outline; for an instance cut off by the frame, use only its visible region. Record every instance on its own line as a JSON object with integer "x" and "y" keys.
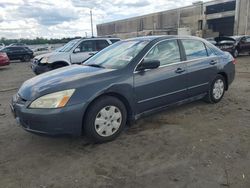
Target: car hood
{"x": 219, "y": 39}
{"x": 71, "y": 77}
{"x": 54, "y": 53}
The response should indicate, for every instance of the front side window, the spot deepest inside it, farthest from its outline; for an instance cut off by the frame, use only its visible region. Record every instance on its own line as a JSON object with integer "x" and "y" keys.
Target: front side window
{"x": 117, "y": 55}
{"x": 166, "y": 52}
{"x": 194, "y": 49}
{"x": 87, "y": 46}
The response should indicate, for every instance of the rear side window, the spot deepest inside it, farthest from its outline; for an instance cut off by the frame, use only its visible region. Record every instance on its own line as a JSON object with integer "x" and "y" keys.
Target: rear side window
{"x": 166, "y": 52}
{"x": 194, "y": 49}
{"x": 101, "y": 44}
{"x": 210, "y": 51}
{"x": 248, "y": 39}
{"x": 114, "y": 40}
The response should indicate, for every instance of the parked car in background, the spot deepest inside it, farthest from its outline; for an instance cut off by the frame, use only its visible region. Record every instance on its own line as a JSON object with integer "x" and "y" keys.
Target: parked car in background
{"x": 2, "y": 45}
{"x": 211, "y": 40}
{"x": 18, "y": 53}
{"x": 41, "y": 50}
{"x": 74, "y": 52}
{"x": 17, "y": 44}
{"x": 234, "y": 44}
{"x": 4, "y": 60}
{"x": 121, "y": 83}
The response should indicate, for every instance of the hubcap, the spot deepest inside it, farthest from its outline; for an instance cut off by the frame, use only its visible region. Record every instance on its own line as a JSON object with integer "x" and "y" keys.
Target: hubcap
{"x": 218, "y": 89}
{"x": 108, "y": 121}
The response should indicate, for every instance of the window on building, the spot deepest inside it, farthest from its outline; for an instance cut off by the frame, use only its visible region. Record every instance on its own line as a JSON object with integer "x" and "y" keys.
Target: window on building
{"x": 221, "y": 7}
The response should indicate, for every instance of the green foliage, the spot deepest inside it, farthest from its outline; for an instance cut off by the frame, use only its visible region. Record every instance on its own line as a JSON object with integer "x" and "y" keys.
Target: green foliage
{"x": 37, "y": 40}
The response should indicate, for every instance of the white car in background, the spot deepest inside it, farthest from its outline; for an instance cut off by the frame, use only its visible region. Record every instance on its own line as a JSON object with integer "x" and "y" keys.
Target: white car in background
{"x": 74, "y": 52}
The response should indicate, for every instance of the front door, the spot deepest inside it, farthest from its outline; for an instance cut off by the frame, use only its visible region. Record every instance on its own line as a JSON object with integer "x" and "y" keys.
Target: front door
{"x": 165, "y": 85}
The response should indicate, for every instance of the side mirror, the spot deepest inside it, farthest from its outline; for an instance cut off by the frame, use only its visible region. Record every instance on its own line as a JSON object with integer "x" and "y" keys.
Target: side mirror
{"x": 77, "y": 50}
{"x": 148, "y": 64}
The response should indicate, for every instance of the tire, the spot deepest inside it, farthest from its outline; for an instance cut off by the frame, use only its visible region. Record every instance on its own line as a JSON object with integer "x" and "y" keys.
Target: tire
{"x": 100, "y": 122}
{"x": 217, "y": 90}
{"x": 26, "y": 58}
{"x": 235, "y": 53}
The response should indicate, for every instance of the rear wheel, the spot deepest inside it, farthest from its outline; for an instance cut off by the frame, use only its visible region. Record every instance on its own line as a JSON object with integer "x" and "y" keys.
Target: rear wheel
{"x": 105, "y": 119}
{"x": 217, "y": 90}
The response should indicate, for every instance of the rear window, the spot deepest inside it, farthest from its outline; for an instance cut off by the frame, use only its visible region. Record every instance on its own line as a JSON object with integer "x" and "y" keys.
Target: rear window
{"x": 194, "y": 49}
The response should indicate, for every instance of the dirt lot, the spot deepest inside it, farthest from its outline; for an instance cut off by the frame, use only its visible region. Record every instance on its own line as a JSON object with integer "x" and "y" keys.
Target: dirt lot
{"x": 195, "y": 145}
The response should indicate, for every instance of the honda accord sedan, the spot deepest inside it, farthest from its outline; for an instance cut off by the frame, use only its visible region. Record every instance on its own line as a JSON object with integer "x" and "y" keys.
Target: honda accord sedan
{"x": 123, "y": 82}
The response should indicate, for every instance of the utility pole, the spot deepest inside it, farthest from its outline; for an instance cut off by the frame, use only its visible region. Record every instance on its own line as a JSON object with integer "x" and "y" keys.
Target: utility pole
{"x": 91, "y": 20}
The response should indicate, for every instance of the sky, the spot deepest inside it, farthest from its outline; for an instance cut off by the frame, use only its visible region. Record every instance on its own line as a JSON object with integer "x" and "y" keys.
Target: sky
{"x": 70, "y": 18}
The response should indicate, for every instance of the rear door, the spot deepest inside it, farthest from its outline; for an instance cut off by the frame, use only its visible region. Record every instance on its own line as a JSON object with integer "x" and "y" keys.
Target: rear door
{"x": 83, "y": 51}
{"x": 201, "y": 65}
{"x": 165, "y": 85}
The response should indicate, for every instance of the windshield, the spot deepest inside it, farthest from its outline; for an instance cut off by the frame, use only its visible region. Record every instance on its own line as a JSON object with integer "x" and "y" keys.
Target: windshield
{"x": 67, "y": 47}
{"x": 117, "y": 55}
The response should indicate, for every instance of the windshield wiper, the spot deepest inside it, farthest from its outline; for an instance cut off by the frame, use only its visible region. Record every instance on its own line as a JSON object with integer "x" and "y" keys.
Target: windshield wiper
{"x": 95, "y": 65}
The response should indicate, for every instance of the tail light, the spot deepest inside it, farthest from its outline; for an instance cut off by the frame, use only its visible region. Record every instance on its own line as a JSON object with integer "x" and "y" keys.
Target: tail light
{"x": 234, "y": 61}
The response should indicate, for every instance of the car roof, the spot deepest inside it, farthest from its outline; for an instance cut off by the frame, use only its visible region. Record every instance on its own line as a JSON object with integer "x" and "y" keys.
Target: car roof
{"x": 162, "y": 37}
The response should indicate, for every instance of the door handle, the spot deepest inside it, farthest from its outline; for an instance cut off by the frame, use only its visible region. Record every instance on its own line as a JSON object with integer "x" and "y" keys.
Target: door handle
{"x": 180, "y": 70}
{"x": 213, "y": 62}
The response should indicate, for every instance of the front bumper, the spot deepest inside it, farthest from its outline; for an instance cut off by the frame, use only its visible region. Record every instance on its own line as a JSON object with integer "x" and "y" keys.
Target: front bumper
{"x": 67, "y": 120}
{"x": 39, "y": 68}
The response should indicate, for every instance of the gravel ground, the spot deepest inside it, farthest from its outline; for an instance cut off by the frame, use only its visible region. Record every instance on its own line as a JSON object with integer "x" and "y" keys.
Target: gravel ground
{"x": 195, "y": 145}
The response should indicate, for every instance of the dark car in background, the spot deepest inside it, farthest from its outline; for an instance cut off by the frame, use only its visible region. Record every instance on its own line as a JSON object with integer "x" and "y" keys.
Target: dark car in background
{"x": 122, "y": 83}
{"x": 22, "y": 53}
{"x": 4, "y": 60}
{"x": 234, "y": 44}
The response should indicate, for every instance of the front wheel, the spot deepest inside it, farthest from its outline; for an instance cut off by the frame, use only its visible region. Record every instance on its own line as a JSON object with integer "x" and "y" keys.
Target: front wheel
{"x": 217, "y": 90}
{"x": 105, "y": 119}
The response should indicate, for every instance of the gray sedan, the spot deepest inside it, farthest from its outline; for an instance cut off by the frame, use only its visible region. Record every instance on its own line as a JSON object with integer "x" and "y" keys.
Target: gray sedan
{"x": 122, "y": 83}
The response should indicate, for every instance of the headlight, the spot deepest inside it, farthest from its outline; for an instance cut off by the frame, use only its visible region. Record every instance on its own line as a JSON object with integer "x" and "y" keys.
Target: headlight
{"x": 53, "y": 100}
{"x": 44, "y": 60}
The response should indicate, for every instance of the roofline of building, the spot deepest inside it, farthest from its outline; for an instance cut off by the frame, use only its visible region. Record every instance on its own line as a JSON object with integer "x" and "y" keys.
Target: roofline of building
{"x": 175, "y": 9}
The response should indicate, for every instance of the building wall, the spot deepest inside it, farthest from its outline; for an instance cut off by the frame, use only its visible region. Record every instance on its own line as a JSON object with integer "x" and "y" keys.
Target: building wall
{"x": 242, "y": 26}
{"x": 167, "y": 22}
